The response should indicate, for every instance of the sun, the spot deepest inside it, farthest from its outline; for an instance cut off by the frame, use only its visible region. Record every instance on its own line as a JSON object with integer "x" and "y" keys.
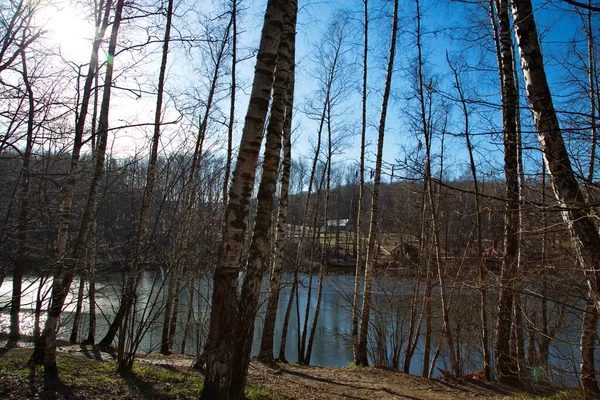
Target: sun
{"x": 70, "y": 30}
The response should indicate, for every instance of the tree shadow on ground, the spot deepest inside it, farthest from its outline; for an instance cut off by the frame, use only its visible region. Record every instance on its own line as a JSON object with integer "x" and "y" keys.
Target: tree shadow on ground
{"x": 55, "y": 389}
{"x": 4, "y": 350}
{"x": 48, "y": 387}
{"x": 475, "y": 386}
{"x": 350, "y": 385}
{"x": 143, "y": 388}
{"x": 95, "y": 354}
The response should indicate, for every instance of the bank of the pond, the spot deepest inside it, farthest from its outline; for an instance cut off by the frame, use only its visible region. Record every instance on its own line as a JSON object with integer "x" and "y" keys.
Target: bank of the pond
{"x": 332, "y": 343}
{"x": 88, "y": 374}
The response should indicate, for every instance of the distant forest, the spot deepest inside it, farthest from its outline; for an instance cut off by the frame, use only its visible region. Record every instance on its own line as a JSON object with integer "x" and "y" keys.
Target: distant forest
{"x": 445, "y": 147}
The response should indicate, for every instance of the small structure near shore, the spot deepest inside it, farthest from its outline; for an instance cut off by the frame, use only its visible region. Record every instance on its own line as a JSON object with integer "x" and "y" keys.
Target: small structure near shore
{"x": 405, "y": 252}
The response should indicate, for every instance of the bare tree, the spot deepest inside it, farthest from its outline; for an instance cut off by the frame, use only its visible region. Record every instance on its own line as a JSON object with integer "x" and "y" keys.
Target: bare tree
{"x": 361, "y": 189}
{"x": 19, "y": 30}
{"x": 576, "y": 212}
{"x": 15, "y": 305}
{"x": 63, "y": 274}
{"x": 224, "y": 321}
{"x": 266, "y": 344}
{"x": 231, "y": 124}
{"x": 370, "y": 256}
{"x": 329, "y": 56}
{"x": 124, "y": 364}
{"x": 507, "y": 368}
{"x": 259, "y": 246}
{"x": 102, "y": 22}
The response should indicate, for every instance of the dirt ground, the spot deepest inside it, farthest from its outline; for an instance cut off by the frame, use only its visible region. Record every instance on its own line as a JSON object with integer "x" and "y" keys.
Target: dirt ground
{"x": 298, "y": 382}
{"x": 171, "y": 377}
{"x": 293, "y": 381}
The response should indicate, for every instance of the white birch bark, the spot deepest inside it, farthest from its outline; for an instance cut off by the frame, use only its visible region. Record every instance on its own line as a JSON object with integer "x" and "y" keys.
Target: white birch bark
{"x": 576, "y": 212}
{"x": 222, "y": 338}
{"x": 371, "y": 248}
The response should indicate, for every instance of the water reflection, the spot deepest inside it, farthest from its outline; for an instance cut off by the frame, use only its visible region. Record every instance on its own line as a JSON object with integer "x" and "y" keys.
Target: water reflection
{"x": 332, "y": 345}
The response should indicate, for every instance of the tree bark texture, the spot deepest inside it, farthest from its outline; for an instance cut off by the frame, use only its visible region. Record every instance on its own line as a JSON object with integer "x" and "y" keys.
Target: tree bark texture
{"x": 259, "y": 246}
{"x": 69, "y": 190}
{"x": 62, "y": 281}
{"x": 506, "y": 365}
{"x": 589, "y": 337}
{"x": 371, "y": 248}
{"x": 21, "y": 249}
{"x": 576, "y": 213}
{"x": 266, "y": 345}
{"x": 222, "y": 342}
{"x": 358, "y": 275}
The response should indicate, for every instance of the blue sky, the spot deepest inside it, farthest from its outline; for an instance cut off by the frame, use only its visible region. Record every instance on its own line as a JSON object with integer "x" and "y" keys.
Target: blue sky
{"x": 448, "y": 26}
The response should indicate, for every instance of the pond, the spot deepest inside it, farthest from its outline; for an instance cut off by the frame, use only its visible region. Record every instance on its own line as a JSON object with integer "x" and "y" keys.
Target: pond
{"x": 332, "y": 345}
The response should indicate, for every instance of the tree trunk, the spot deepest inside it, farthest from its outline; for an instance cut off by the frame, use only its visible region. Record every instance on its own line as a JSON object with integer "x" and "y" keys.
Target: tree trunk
{"x": 62, "y": 281}
{"x": 576, "y": 212}
{"x": 78, "y": 308}
{"x": 223, "y": 334}
{"x": 507, "y": 367}
{"x": 361, "y": 191}
{"x": 589, "y": 337}
{"x": 316, "y": 237}
{"x": 189, "y": 317}
{"x": 175, "y": 312}
{"x": 425, "y": 264}
{"x": 21, "y": 248}
{"x": 259, "y": 246}
{"x": 324, "y": 252}
{"x": 286, "y": 319}
{"x": 135, "y": 269}
{"x": 414, "y": 328}
{"x": 485, "y": 349}
{"x": 92, "y": 243}
{"x": 39, "y": 354}
{"x": 266, "y": 345}
{"x": 427, "y": 134}
{"x": 39, "y": 300}
{"x": 231, "y": 108}
{"x": 592, "y": 76}
{"x": 164, "y": 337}
{"x": 91, "y": 339}
{"x": 370, "y": 256}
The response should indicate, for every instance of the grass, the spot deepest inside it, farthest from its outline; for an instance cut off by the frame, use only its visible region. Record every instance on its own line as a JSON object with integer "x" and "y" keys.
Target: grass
{"x": 258, "y": 393}
{"x": 81, "y": 377}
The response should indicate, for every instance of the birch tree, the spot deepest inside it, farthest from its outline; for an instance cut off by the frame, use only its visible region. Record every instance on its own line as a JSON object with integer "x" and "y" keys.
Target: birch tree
{"x": 64, "y": 276}
{"x": 361, "y": 188}
{"x": 224, "y": 320}
{"x": 485, "y": 349}
{"x": 576, "y": 212}
{"x": 266, "y": 344}
{"x": 125, "y": 366}
{"x": 370, "y": 256}
{"x": 102, "y": 21}
{"x": 259, "y": 246}
{"x": 15, "y": 304}
{"x": 507, "y": 368}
